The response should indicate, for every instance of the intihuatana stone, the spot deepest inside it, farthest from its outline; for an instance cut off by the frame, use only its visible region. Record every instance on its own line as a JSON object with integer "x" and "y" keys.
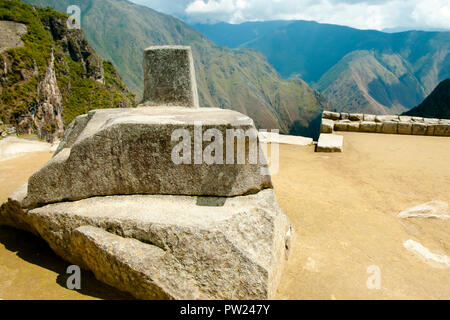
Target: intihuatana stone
{"x": 171, "y": 202}
{"x": 169, "y": 77}
{"x": 327, "y": 126}
{"x": 133, "y": 151}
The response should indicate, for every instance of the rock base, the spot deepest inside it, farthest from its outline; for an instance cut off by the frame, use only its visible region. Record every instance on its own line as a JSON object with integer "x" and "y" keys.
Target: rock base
{"x": 167, "y": 247}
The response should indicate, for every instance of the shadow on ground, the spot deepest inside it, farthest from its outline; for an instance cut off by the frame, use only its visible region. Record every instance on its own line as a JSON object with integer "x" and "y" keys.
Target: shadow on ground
{"x": 36, "y": 251}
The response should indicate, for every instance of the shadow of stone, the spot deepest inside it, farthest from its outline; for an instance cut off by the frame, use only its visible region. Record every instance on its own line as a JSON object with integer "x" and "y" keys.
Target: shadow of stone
{"x": 36, "y": 251}
{"x": 211, "y": 201}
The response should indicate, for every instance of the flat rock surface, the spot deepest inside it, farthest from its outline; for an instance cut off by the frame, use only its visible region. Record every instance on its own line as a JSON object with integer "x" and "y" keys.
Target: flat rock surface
{"x": 330, "y": 143}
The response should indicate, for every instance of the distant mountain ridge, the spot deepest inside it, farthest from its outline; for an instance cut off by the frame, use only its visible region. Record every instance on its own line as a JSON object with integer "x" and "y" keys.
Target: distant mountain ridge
{"x": 436, "y": 105}
{"x": 241, "y": 80}
{"x": 357, "y": 70}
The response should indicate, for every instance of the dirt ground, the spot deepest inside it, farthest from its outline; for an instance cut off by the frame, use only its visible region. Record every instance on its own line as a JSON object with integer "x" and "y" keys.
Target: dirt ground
{"x": 344, "y": 208}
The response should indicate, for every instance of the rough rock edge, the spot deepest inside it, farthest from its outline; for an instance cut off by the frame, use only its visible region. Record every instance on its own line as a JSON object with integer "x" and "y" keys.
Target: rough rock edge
{"x": 120, "y": 263}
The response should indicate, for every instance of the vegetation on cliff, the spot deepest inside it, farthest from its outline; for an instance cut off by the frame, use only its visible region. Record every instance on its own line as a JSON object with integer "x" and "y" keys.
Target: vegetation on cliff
{"x": 83, "y": 80}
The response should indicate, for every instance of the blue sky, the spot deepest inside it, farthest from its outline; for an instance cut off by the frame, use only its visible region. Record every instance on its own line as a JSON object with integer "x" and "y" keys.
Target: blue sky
{"x": 363, "y": 14}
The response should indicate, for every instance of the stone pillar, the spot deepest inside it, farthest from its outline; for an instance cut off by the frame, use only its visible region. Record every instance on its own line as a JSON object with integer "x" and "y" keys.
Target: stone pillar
{"x": 169, "y": 77}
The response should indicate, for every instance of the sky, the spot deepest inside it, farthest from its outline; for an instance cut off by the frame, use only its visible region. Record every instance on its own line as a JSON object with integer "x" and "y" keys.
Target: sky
{"x": 361, "y": 14}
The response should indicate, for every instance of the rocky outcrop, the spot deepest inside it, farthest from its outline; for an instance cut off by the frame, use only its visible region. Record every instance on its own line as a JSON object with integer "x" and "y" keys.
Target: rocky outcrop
{"x": 46, "y": 117}
{"x": 50, "y": 74}
{"x": 11, "y": 35}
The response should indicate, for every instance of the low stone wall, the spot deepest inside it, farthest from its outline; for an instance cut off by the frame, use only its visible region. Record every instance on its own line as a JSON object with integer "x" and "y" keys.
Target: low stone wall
{"x": 357, "y": 122}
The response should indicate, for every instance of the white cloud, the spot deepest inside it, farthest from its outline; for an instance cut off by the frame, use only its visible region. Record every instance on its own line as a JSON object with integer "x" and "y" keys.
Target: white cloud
{"x": 364, "y": 14}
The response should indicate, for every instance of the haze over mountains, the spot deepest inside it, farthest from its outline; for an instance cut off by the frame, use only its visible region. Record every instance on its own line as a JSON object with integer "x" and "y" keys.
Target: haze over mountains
{"x": 357, "y": 70}
{"x": 241, "y": 80}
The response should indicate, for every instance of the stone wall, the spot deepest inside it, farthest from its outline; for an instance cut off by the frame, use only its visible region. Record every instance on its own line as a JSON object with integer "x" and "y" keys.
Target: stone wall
{"x": 356, "y": 122}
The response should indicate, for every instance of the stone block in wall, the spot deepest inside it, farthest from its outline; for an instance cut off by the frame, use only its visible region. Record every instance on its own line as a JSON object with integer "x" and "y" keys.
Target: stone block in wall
{"x": 404, "y": 127}
{"x": 369, "y": 117}
{"x": 442, "y": 129}
{"x": 356, "y": 116}
{"x": 430, "y": 129}
{"x": 341, "y": 125}
{"x": 405, "y": 118}
{"x": 430, "y": 120}
{"x": 417, "y": 119}
{"x": 327, "y": 126}
{"x": 386, "y": 118}
{"x": 354, "y": 126}
{"x": 379, "y": 128}
{"x": 331, "y": 115}
{"x": 390, "y": 127}
{"x": 344, "y": 116}
{"x": 419, "y": 128}
{"x": 368, "y": 126}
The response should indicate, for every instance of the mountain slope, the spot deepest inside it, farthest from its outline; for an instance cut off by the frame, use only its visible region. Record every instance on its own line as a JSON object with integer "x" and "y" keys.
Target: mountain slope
{"x": 368, "y": 82}
{"x": 320, "y": 52}
{"x": 436, "y": 105}
{"x": 241, "y": 80}
{"x": 53, "y": 75}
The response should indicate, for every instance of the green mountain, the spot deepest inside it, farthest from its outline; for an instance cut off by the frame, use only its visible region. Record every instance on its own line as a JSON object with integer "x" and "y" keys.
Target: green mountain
{"x": 241, "y": 80}
{"x": 357, "y": 70}
{"x": 436, "y": 105}
{"x": 51, "y": 74}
